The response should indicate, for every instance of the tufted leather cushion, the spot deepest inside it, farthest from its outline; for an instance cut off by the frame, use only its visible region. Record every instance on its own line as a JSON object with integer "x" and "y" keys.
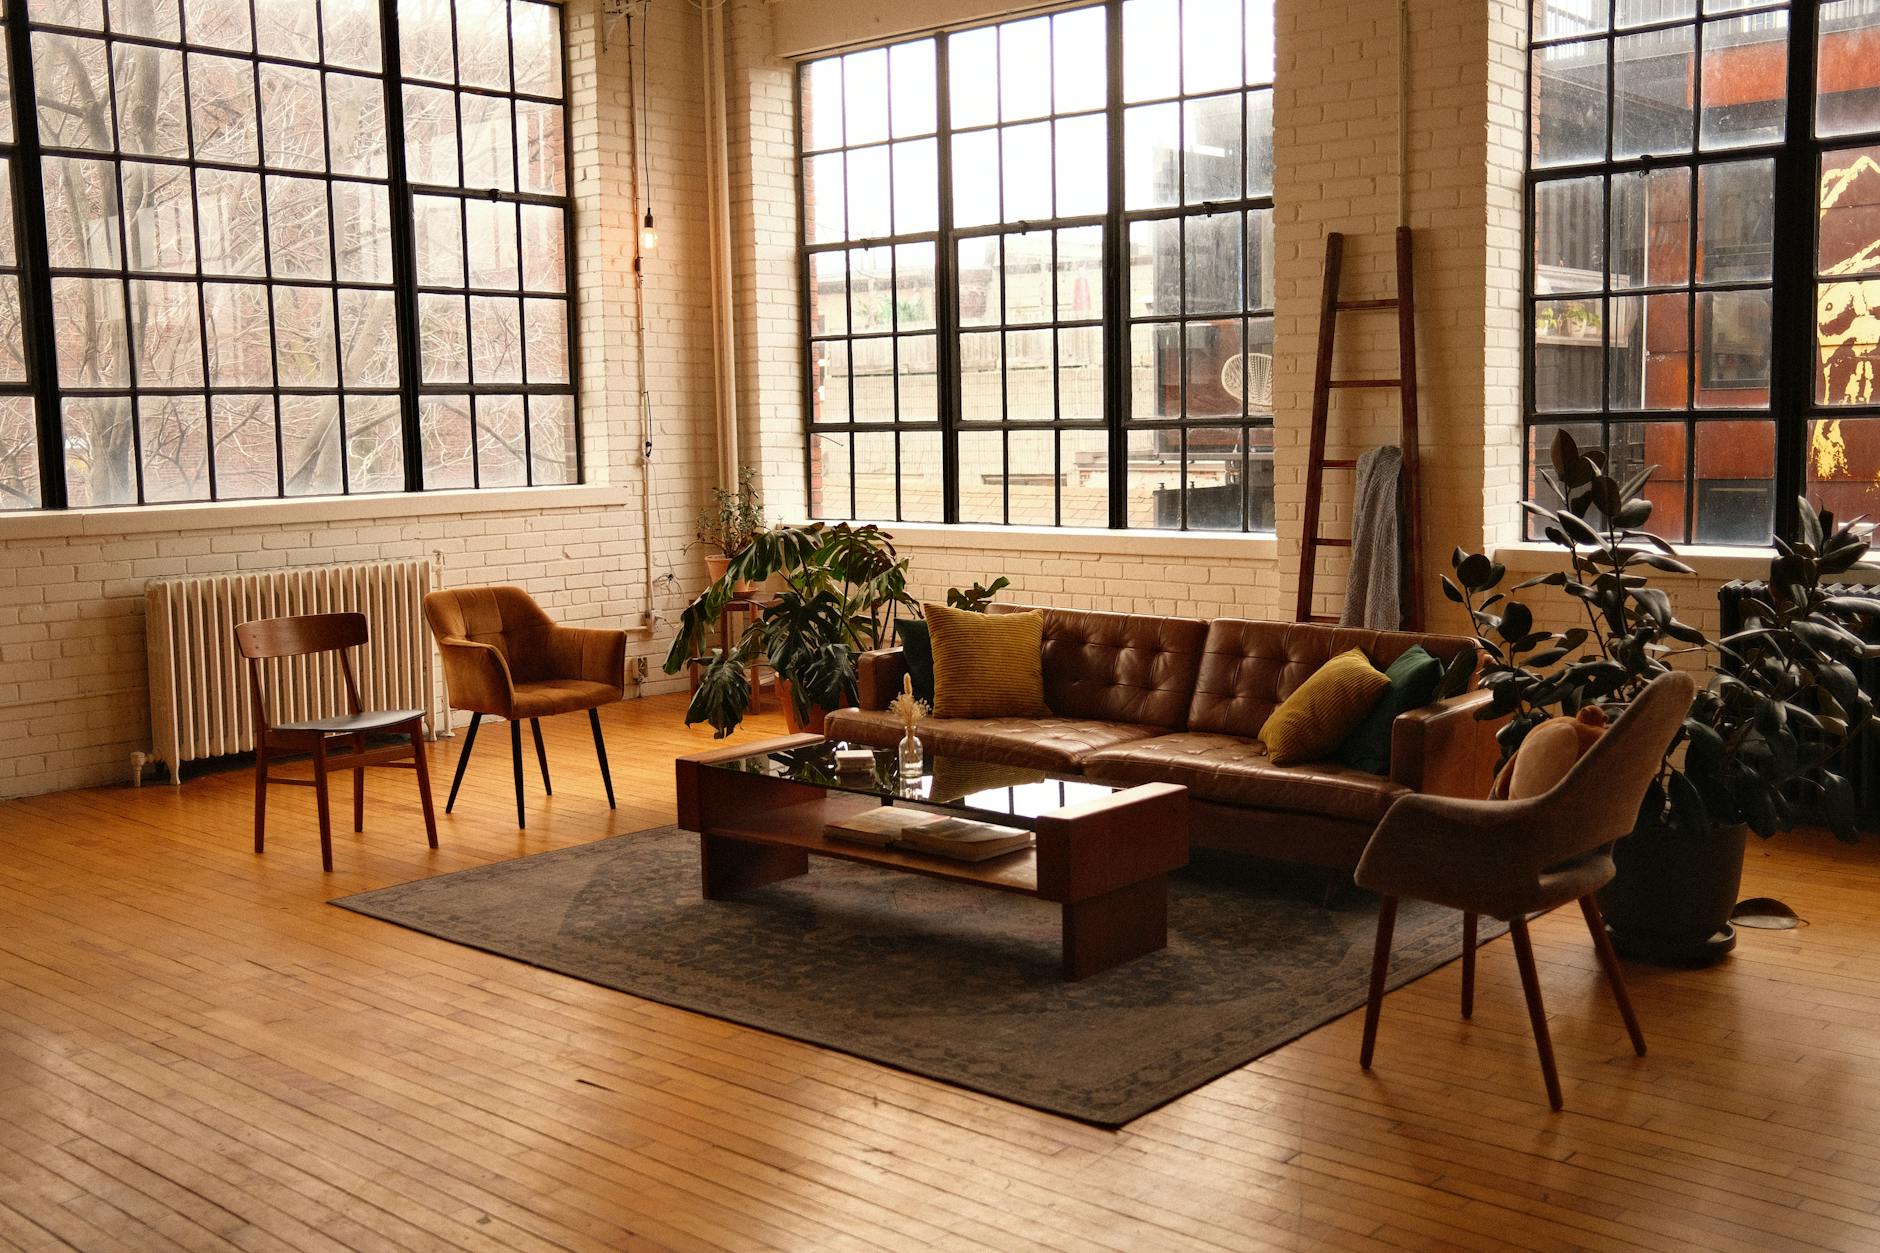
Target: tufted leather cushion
{"x": 1248, "y": 668}
{"x": 1049, "y": 743}
{"x": 1118, "y": 667}
{"x": 1232, "y": 770}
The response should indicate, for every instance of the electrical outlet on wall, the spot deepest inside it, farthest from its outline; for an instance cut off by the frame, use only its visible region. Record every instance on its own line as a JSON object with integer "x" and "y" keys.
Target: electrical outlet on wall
{"x": 636, "y": 670}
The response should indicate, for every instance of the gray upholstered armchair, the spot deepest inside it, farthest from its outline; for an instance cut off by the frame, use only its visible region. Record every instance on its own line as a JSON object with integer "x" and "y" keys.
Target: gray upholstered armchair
{"x": 1549, "y": 844}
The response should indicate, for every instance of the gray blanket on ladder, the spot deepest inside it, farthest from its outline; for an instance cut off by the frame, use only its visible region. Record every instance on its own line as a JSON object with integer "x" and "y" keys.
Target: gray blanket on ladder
{"x": 1374, "y": 591}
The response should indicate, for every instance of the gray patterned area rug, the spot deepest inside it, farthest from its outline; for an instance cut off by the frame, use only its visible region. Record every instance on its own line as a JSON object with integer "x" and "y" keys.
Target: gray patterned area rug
{"x": 941, "y": 979}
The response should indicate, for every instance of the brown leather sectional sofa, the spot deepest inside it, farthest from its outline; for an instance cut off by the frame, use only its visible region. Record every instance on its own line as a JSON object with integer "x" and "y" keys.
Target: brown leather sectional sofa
{"x": 1138, "y": 699}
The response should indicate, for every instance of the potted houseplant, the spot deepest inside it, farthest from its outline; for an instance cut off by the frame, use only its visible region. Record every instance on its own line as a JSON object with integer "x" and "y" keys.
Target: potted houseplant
{"x": 728, "y": 523}
{"x": 1759, "y": 738}
{"x": 840, "y": 585}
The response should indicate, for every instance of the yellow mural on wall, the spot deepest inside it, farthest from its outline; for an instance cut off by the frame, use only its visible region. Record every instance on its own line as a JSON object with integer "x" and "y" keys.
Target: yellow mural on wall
{"x": 1847, "y": 313}
{"x": 1827, "y": 450}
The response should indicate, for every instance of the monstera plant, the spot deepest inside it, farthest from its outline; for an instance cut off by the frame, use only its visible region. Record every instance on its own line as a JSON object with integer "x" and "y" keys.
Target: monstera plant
{"x": 1759, "y": 745}
{"x": 840, "y": 586}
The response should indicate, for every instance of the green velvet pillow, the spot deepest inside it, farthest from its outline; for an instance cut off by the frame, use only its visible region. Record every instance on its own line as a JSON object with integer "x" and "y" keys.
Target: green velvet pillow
{"x": 917, "y": 655}
{"x": 1414, "y": 678}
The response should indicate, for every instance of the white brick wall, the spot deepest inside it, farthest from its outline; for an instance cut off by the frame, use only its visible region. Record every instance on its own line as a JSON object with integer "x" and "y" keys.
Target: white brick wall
{"x": 73, "y": 699}
{"x": 72, "y": 693}
{"x": 1335, "y": 153}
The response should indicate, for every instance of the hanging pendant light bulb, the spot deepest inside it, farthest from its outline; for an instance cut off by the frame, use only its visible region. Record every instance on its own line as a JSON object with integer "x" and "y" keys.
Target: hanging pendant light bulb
{"x": 649, "y": 238}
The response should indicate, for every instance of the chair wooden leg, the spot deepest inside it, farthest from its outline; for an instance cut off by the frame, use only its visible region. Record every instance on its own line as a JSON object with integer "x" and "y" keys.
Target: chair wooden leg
{"x": 1468, "y": 964}
{"x": 1609, "y": 961}
{"x": 541, "y": 755}
{"x": 418, "y": 759}
{"x": 319, "y": 796}
{"x": 1380, "y": 967}
{"x": 463, "y": 759}
{"x": 359, "y": 786}
{"x": 261, "y": 796}
{"x": 600, "y": 751}
{"x": 1537, "y": 1014}
{"x": 515, "y": 753}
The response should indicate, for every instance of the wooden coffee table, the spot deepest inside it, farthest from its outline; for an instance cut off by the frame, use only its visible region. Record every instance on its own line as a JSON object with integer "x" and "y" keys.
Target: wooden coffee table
{"x": 1103, "y": 854}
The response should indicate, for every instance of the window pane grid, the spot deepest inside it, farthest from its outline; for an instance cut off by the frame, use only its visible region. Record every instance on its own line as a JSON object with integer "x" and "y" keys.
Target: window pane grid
{"x": 218, "y": 253}
{"x": 869, "y": 130}
{"x": 1653, "y": 198}
{"x": 495, "y": 354}
{"x": 1729, "y": 412}
{"x": 1033, "y": 410}
{"x": 19, "y": 431}
{"x": 1199, "y": 273}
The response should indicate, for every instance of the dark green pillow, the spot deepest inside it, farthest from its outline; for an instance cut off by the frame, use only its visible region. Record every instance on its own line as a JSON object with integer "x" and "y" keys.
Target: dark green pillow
{"x": 917, "y": 653}
{"x": 1414, "y": 678}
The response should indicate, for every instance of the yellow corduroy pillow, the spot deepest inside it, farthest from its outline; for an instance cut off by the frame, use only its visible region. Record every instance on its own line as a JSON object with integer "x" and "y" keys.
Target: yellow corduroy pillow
{"x": 987, "y": 665}
{"x": 1323, "y": 710}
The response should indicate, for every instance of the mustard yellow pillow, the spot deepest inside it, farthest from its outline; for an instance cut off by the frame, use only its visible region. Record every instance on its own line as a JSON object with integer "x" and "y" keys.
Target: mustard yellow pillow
{"x": 987, "y": 665}
{"x": 1323, "y": 710}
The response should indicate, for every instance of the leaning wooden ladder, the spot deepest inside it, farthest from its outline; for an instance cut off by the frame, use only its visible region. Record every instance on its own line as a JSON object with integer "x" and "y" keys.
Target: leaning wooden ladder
{"x": 1323, "y": 385}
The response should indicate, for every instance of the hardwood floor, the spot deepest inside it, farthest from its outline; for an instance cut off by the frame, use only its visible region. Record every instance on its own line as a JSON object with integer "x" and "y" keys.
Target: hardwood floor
{"x": 197, "y": 1052}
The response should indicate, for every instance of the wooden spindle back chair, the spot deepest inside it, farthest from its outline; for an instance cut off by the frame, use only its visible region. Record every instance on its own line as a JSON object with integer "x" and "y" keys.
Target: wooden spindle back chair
{"x": 271, "y": 639}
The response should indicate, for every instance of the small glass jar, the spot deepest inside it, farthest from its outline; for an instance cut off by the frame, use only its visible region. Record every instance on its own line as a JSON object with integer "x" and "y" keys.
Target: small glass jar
{"x": 913, "y": 762}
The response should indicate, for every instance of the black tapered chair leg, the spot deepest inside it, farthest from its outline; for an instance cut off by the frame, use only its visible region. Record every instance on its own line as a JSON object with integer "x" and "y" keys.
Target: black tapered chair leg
{"x": 541, "y": 755}
{"x": 463, "y": 759}
{"x": 1380, "y": 968}
{"x": 515, "y": 753}
{"x": 1468, "y": 964}
{"x": 600, "y": 751}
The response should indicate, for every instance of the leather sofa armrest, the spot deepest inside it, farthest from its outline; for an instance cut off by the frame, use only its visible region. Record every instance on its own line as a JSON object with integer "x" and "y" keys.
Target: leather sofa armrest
{"x": 1443, "y": 749}
{"x": 593, "y": 654}
{"x": 476, "y": 676}
{"x": 878, "y": 677}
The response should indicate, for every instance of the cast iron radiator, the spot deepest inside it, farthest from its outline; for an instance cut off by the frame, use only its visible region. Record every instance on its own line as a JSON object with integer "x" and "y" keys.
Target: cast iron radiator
{"x": 1860, "y": 761}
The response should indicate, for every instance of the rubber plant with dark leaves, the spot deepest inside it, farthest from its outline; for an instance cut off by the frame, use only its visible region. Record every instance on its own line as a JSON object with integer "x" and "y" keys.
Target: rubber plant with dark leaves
{"x": 841, "y": 585}
{"x": 1534, "y": 674}
{"x": 1783, "y": 701}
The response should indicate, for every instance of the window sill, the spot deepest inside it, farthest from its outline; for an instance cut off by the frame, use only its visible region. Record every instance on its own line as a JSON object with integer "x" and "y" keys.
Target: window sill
{"x": 223, "y": 515}
{"x": 1711, "y": 561}
{"x": 1050, "y": 539}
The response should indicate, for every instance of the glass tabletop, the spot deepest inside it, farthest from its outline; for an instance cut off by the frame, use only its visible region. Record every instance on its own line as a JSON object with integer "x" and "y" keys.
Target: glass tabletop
{"x": 987, "y": 790}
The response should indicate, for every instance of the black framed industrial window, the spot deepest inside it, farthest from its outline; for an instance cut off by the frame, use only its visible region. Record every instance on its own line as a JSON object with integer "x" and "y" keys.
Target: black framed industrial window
{"x": 279, "y": 248}
{"x": 1703, "y": 278}
{"x": 1037, "y": 271}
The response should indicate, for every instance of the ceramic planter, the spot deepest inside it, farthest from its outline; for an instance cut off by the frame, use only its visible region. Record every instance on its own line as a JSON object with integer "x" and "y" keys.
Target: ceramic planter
{"x": 1670, "y": 903}
{"x": 817, "y": 715}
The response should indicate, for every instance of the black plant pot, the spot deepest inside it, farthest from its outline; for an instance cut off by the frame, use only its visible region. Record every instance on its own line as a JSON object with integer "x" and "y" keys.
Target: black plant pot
{"x": 1670, "y": 903}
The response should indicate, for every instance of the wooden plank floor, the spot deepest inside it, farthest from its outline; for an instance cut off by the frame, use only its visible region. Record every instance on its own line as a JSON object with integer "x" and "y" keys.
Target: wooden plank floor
{"x": 197, "y": 1052}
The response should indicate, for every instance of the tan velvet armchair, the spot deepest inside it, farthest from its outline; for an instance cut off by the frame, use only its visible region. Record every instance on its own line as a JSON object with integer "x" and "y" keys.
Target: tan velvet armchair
{"x": 506, "y": 658}
{"x": 1513, "y": 858}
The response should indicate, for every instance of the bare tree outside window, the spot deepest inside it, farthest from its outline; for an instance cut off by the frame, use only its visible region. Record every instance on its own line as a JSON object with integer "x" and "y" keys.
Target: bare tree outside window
{"x": 221, "y": 229}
